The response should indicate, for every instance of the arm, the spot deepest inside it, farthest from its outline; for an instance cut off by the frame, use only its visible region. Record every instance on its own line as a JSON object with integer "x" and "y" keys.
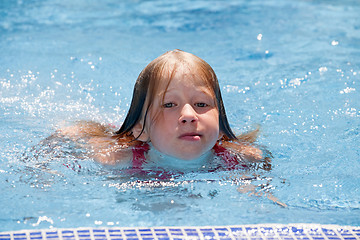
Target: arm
{"x": 99, "y": 138}
{"x": 247, "y": 150}
{"x": 85, "y": 129}
{"x": 252, "y": 190}
{"x": 251, "y": 153}
{"x": 262, "y": 157}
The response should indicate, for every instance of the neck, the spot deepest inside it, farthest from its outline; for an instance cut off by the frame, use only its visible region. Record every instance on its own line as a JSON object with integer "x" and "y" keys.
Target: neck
{"x": 160, "y": 160}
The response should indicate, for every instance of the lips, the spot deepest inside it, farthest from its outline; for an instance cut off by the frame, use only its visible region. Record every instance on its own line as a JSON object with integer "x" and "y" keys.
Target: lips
{"x": 190, "y": 136}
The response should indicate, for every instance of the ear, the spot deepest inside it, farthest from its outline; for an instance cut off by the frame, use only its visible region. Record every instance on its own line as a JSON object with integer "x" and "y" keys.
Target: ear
{"x": 144, "y": 137}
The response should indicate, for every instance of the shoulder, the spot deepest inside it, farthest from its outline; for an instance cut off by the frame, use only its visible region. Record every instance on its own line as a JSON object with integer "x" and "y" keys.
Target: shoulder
{"x": 83, "y": 129}
{"x": 105, "y": 146}
{"x": 114, "y": 156}
{"x": 244, "y": 145}
{"x": 250, "y": 154}
{"x": 249, "y": 151}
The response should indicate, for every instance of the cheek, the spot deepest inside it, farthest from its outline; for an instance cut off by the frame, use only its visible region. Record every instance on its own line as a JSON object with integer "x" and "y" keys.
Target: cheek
{"x": 215, "y": 125}
{"x": 159, "y": 138}
{"x": 214, "y": 119}
{"x": 164, "y": 120}
{"x": 158, "y": 129}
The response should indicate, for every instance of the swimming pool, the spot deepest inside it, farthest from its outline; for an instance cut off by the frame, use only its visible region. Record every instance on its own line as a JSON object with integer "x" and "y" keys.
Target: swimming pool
{"x": 291, "y": 66}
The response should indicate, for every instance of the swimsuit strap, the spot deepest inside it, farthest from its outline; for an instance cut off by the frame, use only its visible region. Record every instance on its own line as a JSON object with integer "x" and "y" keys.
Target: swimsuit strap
{"x": 139, "y": 159}
{"x": 139, "y": 154}
{"x": 229, "y": 158}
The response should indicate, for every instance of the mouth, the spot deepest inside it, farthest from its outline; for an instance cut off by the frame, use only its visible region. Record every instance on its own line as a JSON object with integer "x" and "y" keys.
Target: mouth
{"x": 190, "y": 136}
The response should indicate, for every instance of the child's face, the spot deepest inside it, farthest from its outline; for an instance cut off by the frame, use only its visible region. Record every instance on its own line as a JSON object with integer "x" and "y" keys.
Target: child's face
{"x": 186, "y": 124}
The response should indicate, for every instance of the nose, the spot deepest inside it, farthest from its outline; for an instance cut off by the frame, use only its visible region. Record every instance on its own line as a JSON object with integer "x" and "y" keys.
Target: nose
{"x": 188, "y": 114}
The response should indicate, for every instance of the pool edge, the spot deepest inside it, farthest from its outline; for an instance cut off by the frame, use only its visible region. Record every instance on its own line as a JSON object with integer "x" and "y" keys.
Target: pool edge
{"x": 247, "y": 231}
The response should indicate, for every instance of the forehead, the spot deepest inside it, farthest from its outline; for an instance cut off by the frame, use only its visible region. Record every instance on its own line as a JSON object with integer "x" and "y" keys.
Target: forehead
{"x": 184, "y": 76}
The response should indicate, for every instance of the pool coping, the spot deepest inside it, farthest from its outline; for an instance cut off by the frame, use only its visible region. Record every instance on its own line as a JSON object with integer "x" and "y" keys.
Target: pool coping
{"x": 254, "y": 231}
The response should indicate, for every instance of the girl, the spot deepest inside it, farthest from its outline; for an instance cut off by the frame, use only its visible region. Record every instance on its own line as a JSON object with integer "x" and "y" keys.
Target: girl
{"x": 176, "y": 113}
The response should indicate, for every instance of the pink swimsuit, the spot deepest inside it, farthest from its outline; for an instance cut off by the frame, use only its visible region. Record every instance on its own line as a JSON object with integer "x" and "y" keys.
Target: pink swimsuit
{"x": 231, "y": 160}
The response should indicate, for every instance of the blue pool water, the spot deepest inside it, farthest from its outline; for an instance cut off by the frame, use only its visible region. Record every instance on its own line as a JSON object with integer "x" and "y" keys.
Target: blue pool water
{"x": 293, "y": 67}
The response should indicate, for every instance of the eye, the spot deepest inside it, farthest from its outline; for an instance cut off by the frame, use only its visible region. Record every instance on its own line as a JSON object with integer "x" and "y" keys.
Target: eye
{"x": 201, "y": 104}
{"x": 168, "y": 105}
